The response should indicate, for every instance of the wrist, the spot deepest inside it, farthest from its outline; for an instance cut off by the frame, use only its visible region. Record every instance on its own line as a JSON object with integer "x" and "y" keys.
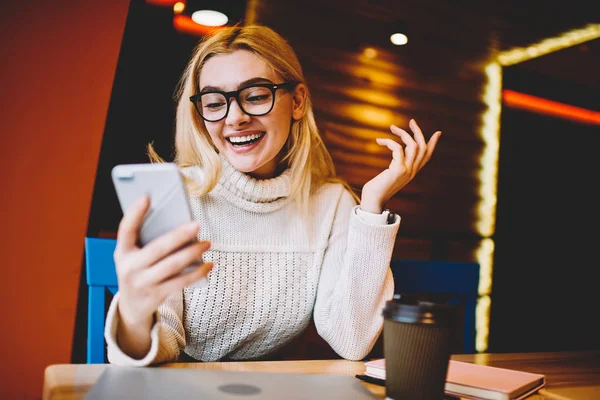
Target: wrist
{"x": 133, "y": 320}
{"x": 134, "y": 338}
{"x": 371, "y": 207}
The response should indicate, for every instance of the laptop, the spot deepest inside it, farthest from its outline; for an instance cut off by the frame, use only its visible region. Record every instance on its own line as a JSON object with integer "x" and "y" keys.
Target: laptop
{"x": 183, "y": 383}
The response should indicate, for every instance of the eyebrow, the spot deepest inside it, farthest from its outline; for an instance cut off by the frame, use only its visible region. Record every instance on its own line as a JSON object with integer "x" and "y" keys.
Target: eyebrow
{"x": 240, "y": 85}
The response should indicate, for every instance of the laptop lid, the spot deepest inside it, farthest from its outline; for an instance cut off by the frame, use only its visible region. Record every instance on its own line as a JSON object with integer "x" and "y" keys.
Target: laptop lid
{"x": 183, "y": 383}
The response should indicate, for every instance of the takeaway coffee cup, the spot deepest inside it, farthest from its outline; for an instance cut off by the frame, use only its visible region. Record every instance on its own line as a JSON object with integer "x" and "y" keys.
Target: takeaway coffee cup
{"x": 416, "y": 345}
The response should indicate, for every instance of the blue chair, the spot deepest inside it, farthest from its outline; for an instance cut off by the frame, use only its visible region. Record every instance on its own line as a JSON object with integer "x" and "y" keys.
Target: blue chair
{"x": 101, "y": 276}
{"x": 454, "y": 282}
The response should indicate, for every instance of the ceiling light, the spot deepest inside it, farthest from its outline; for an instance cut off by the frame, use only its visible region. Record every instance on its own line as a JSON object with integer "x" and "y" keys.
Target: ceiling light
{"x": 398, "y": 33}
{"x": 209, "y": 18}
{"x": 399, "y": 39}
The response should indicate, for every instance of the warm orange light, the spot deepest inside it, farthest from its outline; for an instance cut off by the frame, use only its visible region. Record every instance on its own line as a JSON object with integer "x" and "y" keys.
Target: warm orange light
{"x": 184, "y": 24}
{"x": 165, "y": 3}
{"x": 370, "y": 52}
{"x": 549, "y": 107}
{"x": 178, "y": 7}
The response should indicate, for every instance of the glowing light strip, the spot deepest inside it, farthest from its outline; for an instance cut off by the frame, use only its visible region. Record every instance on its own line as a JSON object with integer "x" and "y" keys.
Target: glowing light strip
{"x": 488, "y": 171}
{"x": 485, "y": 224}
{"x": 549, "y": 45}
{"x": 484, "y": 255}
{"x": 487, "y": 175}
{"x": 550, "y": 107}
{"x": 482, "y": 323}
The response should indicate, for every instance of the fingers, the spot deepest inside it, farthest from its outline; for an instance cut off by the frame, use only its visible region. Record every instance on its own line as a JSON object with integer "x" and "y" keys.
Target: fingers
{"x": 168, "y": 243}
{"x": 418, "y": 133}
{"x": 397, "y": 151}
{"x": 129, "y": 227}
{"x": 418, "y": 151}
{"x": 422, "y": 145}
{"x": 174, "y": 263}
{"x": 411, "y": 147}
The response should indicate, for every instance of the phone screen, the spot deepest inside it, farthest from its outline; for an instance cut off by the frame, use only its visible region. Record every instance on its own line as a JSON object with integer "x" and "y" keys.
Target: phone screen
{"x": 163, "y": 183}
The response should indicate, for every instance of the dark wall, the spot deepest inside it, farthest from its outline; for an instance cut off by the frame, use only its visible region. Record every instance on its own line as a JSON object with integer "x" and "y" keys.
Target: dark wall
{"x": 153, "y": 56}
{"x": 544, "y": 295}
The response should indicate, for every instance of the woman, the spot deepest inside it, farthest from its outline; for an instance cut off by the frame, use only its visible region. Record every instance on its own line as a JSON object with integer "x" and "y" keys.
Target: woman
{"x": 282, "y": 238}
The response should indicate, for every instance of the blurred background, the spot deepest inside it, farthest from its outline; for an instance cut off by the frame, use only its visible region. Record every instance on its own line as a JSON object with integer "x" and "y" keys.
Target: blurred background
{"x": 514, "y": 86}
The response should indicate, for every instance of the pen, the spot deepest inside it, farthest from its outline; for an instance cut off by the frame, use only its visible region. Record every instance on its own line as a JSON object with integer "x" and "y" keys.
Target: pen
{"x": 370, "y": 379}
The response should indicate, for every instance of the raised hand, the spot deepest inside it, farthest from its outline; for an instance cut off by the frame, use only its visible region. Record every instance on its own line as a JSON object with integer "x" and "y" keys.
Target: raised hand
{"x": 406, "y": 161}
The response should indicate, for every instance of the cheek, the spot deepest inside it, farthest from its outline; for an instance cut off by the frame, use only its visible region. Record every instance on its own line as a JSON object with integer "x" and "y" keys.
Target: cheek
{"x": 283, "y": 126}
{"x": 214, "y": 131}
{"x": 284, "y": 120}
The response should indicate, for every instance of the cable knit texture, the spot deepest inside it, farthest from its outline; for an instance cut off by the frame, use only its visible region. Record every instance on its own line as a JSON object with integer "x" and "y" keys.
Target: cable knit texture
{"x": 269, "y": 275}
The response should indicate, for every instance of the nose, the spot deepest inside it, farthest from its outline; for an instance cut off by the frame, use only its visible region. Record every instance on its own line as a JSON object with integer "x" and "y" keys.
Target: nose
{"x": 236, "y": 115}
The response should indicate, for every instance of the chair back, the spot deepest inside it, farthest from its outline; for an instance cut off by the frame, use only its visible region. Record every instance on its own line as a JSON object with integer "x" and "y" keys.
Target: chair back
{"x": 454, "y": 282}
{"x": 101, "y": 276}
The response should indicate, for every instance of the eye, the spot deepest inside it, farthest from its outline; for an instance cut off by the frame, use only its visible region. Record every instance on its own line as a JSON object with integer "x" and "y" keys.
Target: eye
{"x": 256, "y": 95}
{"x": 213, "y": 101}
{"x": 214, "y": 105}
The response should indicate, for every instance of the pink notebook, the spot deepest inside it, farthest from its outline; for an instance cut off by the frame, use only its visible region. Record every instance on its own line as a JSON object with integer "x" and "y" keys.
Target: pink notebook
{"x": 478, "y": 381}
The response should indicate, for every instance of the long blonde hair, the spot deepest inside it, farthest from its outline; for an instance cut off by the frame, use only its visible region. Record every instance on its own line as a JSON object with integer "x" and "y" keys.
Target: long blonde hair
{"x": 306, "y": 156}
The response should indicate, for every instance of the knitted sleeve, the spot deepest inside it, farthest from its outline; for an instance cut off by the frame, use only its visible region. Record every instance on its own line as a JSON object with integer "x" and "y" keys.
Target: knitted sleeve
{"x": 355, "y": 281}
{"x": 167, "y": 335}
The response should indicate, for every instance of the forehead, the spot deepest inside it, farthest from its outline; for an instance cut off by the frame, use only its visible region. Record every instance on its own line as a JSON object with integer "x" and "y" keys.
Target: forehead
{"x": 227, "y": 71}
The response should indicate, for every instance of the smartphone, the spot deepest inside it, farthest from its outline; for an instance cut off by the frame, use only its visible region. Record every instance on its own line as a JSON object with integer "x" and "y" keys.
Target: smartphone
{"x": 169, "y": 205}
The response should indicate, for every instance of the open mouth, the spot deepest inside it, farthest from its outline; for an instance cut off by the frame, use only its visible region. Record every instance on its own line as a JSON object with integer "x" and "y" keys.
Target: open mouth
{"x": 245, "y": 140}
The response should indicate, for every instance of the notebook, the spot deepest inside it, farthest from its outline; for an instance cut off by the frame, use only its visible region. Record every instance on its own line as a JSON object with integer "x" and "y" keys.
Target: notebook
{"x": 486, "y": 382}
{"x": 154, "y": 383}
{"x": 478, "y": 381}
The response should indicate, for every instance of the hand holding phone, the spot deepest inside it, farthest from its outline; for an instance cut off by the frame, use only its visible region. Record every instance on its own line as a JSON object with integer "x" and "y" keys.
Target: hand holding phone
{"x": 148, "y": 275}
{"x": 169, "y": 206}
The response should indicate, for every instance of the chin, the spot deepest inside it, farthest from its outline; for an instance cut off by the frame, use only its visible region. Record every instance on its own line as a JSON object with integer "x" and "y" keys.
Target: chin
{"x": 245, "y": 166}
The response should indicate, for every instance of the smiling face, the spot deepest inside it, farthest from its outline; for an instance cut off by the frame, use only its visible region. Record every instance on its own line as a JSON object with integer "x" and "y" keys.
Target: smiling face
{"x": 251, "y": 144}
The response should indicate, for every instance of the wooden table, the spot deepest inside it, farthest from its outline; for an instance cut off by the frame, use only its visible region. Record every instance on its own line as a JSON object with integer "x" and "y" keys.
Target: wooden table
{"x": 569, "y": 375}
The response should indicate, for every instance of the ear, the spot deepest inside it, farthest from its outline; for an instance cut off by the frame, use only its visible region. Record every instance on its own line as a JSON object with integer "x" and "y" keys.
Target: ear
{"x": 299, "y": 101}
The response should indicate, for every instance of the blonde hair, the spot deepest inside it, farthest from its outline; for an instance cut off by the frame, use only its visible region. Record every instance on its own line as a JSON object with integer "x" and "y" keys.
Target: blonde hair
{"x": 306, "y": 156}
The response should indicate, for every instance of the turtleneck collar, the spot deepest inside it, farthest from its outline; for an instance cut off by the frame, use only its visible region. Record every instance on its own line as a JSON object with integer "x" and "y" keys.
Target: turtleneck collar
{"x": 258, "y": 195}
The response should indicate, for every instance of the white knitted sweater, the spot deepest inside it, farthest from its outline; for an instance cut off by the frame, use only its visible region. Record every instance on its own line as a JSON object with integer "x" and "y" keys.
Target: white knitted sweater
{"x": 269, "y": 275}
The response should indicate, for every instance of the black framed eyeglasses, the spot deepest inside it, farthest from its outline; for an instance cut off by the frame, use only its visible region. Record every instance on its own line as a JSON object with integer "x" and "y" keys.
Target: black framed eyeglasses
{"x": 255, "y": 100}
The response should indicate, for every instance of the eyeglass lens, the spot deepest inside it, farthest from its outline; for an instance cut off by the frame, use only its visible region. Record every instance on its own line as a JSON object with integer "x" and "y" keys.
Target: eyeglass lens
{"x": 254, "y": 100}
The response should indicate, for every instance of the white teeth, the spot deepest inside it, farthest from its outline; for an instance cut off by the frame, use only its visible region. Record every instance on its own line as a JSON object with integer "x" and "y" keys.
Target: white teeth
{"x": 242, "y": 139}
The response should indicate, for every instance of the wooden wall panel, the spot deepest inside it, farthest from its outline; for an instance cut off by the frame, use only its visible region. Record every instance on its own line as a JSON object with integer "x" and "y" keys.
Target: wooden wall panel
{"x": 357, "y": 98}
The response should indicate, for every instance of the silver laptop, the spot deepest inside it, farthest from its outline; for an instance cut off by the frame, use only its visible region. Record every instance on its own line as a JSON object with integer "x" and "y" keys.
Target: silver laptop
{"x": 183, "y": 383}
